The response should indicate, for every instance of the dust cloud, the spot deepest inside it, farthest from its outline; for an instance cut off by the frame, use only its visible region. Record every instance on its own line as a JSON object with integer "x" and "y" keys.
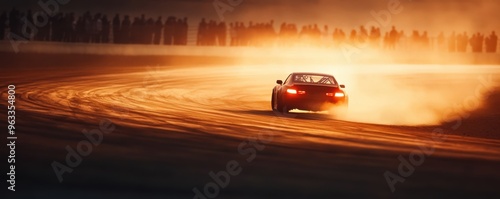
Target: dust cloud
{"x": 394, "y": 94}
{"x": 408, "y": 97}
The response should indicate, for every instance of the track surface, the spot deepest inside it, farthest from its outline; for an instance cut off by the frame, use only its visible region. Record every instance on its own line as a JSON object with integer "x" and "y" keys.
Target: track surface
{"x": 174, "y": 126}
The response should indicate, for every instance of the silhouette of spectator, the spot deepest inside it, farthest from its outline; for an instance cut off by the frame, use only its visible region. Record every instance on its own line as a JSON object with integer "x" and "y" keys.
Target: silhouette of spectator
{"x": 142, "y": 31}
{"x": 168, "y": 31}
{"x": 3, "y": 25}
{"x": 202, "y": 28}
{"x": 57, "y": 27}
{"x": 149, "y": 31}
{"x": 316, "y": 34}
{"x": 15, "y": 21}
{"x": 117, "y": 35}
{"x": 440, "y": 41}
{"x": 135, "y": 31}
{"x": 184, "y": 31}
{"x": 353, "y": 37}
{"x": 480, "y": 42}
{"x": 325, "y": 36}
{"x": 64, "y": 27}
{"x": 491, "y": 43}
{"x": 241, "y": 34}
{"x": 303, "y": 34}
{"x": 462, "y": 41}
{"x": 415, "y": 40}
{"x": 271, "y": 34}
{"x": 363, "y": 35}
{"x": 452, "y": 43}
{"x": 71, "y": 28}
{"x": 96, "y": 28}
{"x": 158, "y": 28}
{"x": 29, "y": 20}
{"x": 393, "y": 38}
{"x": 43, "y": 31}
{"x": 87, "y": 21}
{"x": 374, "y": 36}
{"x": 86, "y": 24}
{"x": 106, "y": 28}
{"x": 221, "y": 34}
{"x": 387, "y": 40}
{"x": 424, "y": 41}
{"x": 402, "y": 40}
{"x": 246, "y": 34}
{"x": 178, "y": 32}
{"x": 211, "y": 33}
{"x": 476, "y": 42}
{"x": 285, "y": 34}
{"x": 339, "y": 37}
{"x": 293, "y": 32}
{"x": 126, "y": 29}
{"x": 80, "y": 30}
{"x": 232, "y": 34}
{"x": 335, "y": 37}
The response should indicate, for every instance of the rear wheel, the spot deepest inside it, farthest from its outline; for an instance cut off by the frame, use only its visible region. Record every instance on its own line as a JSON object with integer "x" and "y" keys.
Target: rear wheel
{"x": 279, "y": 104}
{"x": 273, "y": 101}
{"x": 285, "y": 109}
{"x": 282, "y": 107}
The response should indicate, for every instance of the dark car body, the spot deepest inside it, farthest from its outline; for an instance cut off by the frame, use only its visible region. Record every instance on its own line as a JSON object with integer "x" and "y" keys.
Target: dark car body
{"x": 308, "y": 91}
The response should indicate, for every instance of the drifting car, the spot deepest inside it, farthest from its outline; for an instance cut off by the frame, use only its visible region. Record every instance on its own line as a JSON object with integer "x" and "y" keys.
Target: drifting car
{"x": 310, "y": 92}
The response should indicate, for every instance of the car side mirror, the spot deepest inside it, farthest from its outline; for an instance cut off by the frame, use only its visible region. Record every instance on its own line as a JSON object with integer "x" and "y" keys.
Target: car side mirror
{"x": 342, "y": 86}
{"x": 279, "y": 82}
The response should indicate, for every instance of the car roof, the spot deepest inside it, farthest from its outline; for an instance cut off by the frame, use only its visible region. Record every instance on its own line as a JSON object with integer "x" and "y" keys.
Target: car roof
{"x": 308, "y": 73}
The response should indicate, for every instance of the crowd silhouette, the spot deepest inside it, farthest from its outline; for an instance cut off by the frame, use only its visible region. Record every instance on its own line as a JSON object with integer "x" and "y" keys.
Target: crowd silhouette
{"x": 263, "y": 34}
{"x": 95, "y": 28}
{"x": 98, "y": 28}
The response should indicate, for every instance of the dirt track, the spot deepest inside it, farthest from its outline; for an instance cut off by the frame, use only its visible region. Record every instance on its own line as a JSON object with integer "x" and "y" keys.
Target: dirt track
{"x": 174, "y": 126}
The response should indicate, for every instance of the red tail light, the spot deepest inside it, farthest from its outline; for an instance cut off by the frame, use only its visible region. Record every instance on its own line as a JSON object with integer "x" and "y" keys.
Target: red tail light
{"x": 291, "y": 91}
{"x": 294, "y": 91}
{"x": 337, "y": 94}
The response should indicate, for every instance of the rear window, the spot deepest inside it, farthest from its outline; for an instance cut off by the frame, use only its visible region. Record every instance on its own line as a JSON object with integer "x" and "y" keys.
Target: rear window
{"x": 314, "y": 79}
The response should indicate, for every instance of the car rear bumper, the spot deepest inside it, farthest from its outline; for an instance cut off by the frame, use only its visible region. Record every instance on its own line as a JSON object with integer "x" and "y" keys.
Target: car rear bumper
{"x": 313, "y": 104}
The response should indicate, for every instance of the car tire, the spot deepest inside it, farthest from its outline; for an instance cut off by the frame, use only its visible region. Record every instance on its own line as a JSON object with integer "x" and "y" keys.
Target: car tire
{"x": 273, "y": 101}
{"x": 279, "y": 104}
{"x": 286, "y": 109}
{"x": 282, "y": 107}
